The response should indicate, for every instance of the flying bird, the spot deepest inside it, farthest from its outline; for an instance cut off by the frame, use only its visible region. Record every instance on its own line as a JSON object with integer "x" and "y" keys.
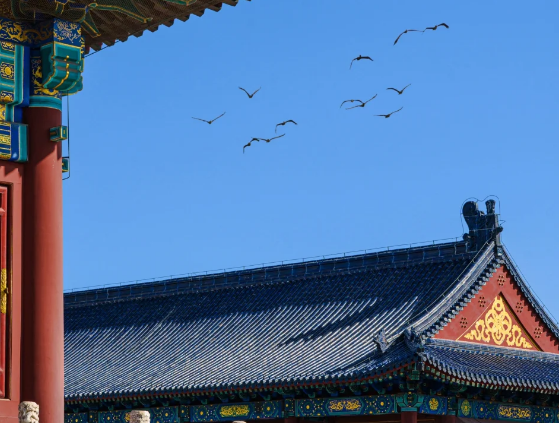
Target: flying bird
{"x": 434, "y": 28}
{"x": 349, "y": 101}
{"x": 363, "y": 104}
{"x": 391, "y": 113}
{"x": 360, "y": 58}
{"x": 250, "y": 142}
{"x": 400, "y": 92}
{"x": 270, "y": 139}
{"x": 209, "y": 121}
{"x": 283, "y": 123}
{"x": 250, "y": 95}
{"x": 405, "y": 32}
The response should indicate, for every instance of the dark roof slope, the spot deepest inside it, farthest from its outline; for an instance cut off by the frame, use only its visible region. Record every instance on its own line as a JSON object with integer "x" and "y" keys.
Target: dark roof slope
{"x": 277, "y": 325}
{"x": 486, "y": 365}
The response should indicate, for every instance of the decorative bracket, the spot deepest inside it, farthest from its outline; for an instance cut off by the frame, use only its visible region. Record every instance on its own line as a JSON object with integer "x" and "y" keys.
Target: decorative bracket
{"x": 59, "y": 133}
{"x": 409, "y": 401}
{"x": 65, "y": 165}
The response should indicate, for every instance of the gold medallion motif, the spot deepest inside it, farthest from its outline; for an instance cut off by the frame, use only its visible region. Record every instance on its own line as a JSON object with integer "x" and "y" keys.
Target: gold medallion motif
{"x": 498, "y": 326}
{"x": 466, "y": 408}
{"x": 434, "y": 404}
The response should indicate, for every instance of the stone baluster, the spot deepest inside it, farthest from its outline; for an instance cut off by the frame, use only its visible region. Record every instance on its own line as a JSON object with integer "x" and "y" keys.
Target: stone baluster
{"x": 28, "y": 412}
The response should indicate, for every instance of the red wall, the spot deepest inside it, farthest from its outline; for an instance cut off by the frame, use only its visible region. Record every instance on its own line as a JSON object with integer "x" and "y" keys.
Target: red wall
{"x": 11, "y": 176}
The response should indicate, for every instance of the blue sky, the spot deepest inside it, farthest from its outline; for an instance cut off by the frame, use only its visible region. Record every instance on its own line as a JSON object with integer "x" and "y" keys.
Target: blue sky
{"x": 155, "y": 193}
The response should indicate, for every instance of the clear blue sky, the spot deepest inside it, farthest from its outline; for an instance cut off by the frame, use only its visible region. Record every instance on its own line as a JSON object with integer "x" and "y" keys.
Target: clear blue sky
{"x": 154, "y": 193}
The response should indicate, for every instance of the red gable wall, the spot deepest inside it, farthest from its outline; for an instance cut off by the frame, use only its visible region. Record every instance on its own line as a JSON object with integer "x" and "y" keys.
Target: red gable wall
{"x": 500, "y": 315}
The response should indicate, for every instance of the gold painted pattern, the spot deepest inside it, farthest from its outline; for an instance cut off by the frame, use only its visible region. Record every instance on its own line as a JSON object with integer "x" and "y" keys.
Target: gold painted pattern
{"x": 6, "y": 97}
{"x": 36, "y": 79}
{"x": 7, "y": 70}
{"x": 434, "y": 404}
{"x": 67, "y": 31}
{"x": 8, "y": 46}
{"x": 3, "y": 291}
{"x": 234, "y": 410}
{"x": 498, "y": 326}
{"x": 515, "y": 413}
{"x": 344, "y": 405}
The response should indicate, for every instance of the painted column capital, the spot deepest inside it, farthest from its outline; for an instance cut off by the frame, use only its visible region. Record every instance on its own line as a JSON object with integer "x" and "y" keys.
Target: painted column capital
{"x": 39, "y": 63}
{"x": 409, "y": 401}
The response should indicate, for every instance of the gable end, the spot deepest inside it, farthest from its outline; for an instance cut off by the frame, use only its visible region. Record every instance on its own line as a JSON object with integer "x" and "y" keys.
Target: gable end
{"x": 499, "y": 314}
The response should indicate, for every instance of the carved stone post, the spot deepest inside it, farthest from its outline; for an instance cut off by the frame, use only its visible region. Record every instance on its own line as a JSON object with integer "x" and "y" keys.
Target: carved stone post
{"x": 28, "y": 412}
{"x": 137, "y": 416}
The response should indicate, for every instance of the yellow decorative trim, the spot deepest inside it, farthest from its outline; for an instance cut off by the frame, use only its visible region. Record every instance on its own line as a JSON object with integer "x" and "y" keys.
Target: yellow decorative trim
{"x": 3, "y": 291}
{"x": 344, "y": 405}
{"x": 515, "y": 413}
{"x": 498, "y": 326}
{"x": 234, "y": 410}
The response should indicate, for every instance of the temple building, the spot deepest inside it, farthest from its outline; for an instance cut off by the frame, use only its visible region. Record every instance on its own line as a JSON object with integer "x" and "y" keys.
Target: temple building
{"x": 431, "y": 334}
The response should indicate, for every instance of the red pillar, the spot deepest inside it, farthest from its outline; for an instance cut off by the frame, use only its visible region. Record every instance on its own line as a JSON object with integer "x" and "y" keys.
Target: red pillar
{"x": 448, "y": 419}
{"x": 408, "y": 416}
{"x": 42, "y": 299}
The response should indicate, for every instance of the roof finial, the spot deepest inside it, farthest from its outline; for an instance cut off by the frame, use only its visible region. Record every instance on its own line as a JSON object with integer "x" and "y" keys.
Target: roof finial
{"x": 483, "y": 227}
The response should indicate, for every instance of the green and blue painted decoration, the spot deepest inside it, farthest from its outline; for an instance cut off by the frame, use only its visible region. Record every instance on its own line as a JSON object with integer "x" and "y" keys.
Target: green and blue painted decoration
{"x": 327, "y": 407}
{"x": 228, "y": 412}
{"x": 504, "y": 411}
{"x": 383, "y": 404}
{"x": 58, "y": 133}
{"x": 38, "y": 64}
{"x": 13, "y": 142}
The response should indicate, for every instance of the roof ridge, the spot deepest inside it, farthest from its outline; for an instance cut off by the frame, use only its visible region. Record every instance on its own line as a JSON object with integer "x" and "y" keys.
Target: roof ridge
{"x": 272, "y": 274}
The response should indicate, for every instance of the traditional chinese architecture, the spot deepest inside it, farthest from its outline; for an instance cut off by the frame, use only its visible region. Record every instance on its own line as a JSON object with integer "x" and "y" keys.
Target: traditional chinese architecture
{"x": 425, "y": 334}
{"x": 42, "y": 48}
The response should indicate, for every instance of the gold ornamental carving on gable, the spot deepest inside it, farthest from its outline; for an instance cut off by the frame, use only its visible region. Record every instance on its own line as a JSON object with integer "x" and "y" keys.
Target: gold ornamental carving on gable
{"x": 498, "y": 327}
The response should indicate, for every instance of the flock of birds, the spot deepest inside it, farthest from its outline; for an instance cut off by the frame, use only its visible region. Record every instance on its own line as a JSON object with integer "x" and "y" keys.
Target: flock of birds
{"x": 361, "y": 103}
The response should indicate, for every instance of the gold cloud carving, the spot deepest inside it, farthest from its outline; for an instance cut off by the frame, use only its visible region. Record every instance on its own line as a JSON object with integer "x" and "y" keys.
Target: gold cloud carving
{"x": 498, "y": 326}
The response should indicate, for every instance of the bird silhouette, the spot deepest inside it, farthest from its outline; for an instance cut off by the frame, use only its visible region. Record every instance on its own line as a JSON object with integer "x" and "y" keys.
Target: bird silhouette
{"x": 434, "y": 28}
{"x": 400, "y": 92}
{"x": 349, "y": 101}
{"x": 391, "y": 113}
{"x": 360, "y": 58}
{"x": 250, "y": 95}
{"x": 270, "y": 139}
{"x": 405, "y": 32}
{"x": 250, "y": 142}
{"x": 209, "y": 121}
{"x": 283, "y": 123}
{"x": 363, "y": 104}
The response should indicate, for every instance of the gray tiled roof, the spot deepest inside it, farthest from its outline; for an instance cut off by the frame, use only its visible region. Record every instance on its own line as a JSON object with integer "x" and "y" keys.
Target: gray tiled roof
{"x": 274, "y": 326}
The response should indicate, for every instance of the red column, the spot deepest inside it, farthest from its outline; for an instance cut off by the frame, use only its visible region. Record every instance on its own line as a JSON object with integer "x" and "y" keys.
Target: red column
{"x": 42, "y": 301}
{"x": 448, "y": 419}
{"x": 408, "y": 416}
